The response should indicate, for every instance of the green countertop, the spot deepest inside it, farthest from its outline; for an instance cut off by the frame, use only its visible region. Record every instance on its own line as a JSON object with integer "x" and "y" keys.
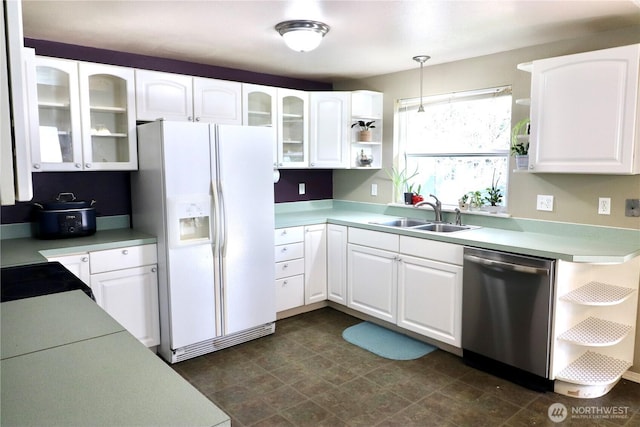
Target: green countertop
{"x": 89, "y": 371}
{"x": 23, "y": 251}
{"x": 568, "y": 242}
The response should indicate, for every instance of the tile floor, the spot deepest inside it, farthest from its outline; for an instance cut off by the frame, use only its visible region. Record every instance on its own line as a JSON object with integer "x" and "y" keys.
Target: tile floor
{"x": 307, "y": 375}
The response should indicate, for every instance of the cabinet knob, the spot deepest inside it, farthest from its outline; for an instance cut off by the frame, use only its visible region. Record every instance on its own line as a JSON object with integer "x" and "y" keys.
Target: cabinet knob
{"x": 84, "y": 259}
{"x": 190, "y": 118}
{"x": 284, "y": 232}
{"x": 284, "y": 249}
{"x": 154, "y": 269}
{"x": 78, "y": 166}
{"x": 313, "y": 164}
{"x": 285, "y": 266}
{"x": 285, "y": 283}
{"x": 125, "y": 252}
{"x": 197, "y": 119}
{"x": 87, "y": 165}
{"x": 36, "y": 165}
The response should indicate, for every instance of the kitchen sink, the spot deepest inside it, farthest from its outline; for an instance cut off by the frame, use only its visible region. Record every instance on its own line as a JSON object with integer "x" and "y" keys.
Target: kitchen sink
{"x": 442, "y": 228}
{"x": 404, "y": 223}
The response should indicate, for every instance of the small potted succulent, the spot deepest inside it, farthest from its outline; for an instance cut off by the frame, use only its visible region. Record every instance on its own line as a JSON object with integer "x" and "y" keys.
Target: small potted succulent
{"x": 520, "y": 143}
{"x": 463, "y": 202}
{"x": 364, "y": 135}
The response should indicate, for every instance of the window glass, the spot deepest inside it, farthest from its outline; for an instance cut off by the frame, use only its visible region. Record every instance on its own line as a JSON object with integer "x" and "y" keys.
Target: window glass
{"x": 459, "y": 144}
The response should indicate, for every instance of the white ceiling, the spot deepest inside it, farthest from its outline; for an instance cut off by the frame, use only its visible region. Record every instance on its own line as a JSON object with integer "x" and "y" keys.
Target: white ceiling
{"x": 366, "y": 37}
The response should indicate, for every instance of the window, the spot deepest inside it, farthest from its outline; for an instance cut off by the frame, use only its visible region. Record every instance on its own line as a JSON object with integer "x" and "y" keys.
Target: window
{"x": 459, "y": 144}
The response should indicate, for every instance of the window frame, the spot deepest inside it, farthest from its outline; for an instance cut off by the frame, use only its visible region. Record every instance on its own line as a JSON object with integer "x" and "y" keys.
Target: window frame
{"x": 407, "y": 104}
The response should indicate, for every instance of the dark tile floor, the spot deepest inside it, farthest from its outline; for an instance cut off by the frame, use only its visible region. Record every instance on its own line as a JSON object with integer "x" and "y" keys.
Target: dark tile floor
{"x": 307, "y": 375}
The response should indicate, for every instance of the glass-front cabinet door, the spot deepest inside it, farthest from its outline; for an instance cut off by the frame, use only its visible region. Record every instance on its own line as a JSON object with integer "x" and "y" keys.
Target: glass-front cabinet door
{"x": 56, "y": 141}
{"x": 107, "y": 95}
{"x": 293, "y": 129}
{"x": 260, "y": 106}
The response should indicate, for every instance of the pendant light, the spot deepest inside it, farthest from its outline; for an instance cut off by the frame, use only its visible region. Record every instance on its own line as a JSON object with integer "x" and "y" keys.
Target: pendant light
{"x": 302, "y": 35}
{"x": 421, "y": 59}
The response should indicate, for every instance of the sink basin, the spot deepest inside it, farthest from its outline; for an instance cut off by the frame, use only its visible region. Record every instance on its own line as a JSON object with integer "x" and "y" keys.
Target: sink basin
{"x": 443, "y": 228}
{"x": 404, "y": 222}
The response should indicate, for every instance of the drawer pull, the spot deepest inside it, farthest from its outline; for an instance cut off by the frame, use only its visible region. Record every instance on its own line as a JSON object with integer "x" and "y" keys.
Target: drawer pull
{"x": 284, "y": 249}
{"x": 125, "y": 252}
{"x": 285, "y": 266}
{"x": 284, "y": 233}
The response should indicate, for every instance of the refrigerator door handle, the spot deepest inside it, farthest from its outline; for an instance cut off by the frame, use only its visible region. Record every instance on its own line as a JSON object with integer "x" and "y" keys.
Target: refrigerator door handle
{"x": 214, "y": 223}
{"x": 223, "y": 220}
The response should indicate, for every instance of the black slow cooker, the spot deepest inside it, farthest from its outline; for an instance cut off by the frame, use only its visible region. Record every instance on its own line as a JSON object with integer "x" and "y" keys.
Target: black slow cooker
{"x": 65, "y": 217}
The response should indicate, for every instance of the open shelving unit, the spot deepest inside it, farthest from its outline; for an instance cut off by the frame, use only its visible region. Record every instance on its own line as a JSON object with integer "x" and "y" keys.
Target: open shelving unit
{"x": 594, "y": 336}
{"x": 367, "y": 106}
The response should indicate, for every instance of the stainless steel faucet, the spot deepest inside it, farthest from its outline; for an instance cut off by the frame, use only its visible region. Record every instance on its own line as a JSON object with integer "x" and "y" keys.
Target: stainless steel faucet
{"x": 437, "y": 207}
{"x": 458, "y": 217}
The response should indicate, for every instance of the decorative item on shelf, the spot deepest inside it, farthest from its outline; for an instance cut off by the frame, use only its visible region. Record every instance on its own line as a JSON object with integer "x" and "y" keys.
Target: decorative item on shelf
{"x": 494, "y": 194}
{"x": 463, "y": 202}
{"x": 364, "y": 160}
{"x": 364, "y": 135}
{"x": 400, "y": 180}
{"x": 520, "y": 143}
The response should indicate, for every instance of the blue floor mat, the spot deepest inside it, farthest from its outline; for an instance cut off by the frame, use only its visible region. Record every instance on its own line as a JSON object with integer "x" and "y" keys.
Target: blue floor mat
{"x": 385, "y": 343}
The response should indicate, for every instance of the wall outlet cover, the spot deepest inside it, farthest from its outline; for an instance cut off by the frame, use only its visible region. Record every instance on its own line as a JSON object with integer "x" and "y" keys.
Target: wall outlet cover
{"x": 544, "y": 203}
{"x": 632, "y": 207}
{"x": 301, "y": 188}
{"x": 604, "y": 206}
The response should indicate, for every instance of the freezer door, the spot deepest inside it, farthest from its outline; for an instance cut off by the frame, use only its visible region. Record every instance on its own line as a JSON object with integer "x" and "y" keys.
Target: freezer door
{"x": 244, "y": 178}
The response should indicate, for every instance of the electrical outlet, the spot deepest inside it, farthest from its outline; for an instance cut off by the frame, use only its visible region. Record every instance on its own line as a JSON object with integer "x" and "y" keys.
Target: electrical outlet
{"x": 632, "y": 207}
{"x": 301, "y": 188}
{"x": 374, "y": 189}
{"x": 544, "y": 203}
{"x": 604, "y": 206}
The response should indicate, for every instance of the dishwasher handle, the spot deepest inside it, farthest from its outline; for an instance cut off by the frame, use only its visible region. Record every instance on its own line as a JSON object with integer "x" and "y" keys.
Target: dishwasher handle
{"x": 506, "y": 265}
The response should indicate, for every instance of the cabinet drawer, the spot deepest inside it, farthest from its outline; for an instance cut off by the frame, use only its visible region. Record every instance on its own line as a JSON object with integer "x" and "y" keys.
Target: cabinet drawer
{"x": 121, "y": 258}
{"x": 289, "y": 268}
{"x": 291, "y": 251}
{"x": 374, "y": 239}
{"x": 288, "y": 235}
{"x": 289, "y": 292}
{"x": 437, "y": 251}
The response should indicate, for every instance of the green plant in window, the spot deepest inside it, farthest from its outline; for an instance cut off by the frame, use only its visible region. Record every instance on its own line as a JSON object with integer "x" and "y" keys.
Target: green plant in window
{"x": 400, "y": 180}
{"x": 494, "y": 194}
{"x": 476, "y": 198}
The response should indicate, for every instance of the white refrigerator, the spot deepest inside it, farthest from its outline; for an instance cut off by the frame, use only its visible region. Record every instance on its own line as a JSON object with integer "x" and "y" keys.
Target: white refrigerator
{"x": 206, "y": 192}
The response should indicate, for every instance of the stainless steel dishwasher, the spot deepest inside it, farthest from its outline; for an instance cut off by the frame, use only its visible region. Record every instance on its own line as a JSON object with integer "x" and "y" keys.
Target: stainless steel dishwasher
{"x": 506, "y": 315}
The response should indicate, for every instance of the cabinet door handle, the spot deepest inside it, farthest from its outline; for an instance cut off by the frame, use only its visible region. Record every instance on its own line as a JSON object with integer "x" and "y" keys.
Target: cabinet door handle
{"x": 84, "y": 259}
{"x": 87, "y": 165}
{"x": 154, "y": 269}
{"x": 285, "y": 283}
{"x": 78, "y": 166}
{"x": 197, "y": 119}
{"x": 284, "y": 249}
{"x": 36, "y": 165}
{"x": 285, "y": 266}
{"x": 125, "y": 252}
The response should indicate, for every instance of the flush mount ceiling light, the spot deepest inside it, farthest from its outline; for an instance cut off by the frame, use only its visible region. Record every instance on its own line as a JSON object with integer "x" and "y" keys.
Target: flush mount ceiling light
{"x": 302, "y": 35}
{"x": 421, "y": 59}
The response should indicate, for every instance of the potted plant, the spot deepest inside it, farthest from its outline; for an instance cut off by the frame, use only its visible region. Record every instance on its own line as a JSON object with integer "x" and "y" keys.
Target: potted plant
{"x": 494, "y": 195}
{"x": 415, "y": 195}
{"x": 364, "y": 134}
{"x": 475, "y": 199}
{"x": 463, "y": 202}
{"x": 400, "y": 181}
{"x": 520, "y": 143}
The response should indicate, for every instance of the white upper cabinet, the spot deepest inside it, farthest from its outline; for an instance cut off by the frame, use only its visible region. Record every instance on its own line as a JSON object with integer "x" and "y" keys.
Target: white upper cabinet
{"x": 329, "y": 114}
{"x": 107, "y": 98}
{"x": 260, "y": 104}
{"x": 171, "y": 96}
{"x": 85, "y": 117}
{"x": 584, "y": 113}
{"x": 293, "y": 128}
{"x": 56, "y": 139}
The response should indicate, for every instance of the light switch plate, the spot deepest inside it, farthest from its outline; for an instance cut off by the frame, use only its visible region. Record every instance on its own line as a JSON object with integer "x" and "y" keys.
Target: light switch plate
{"x": 545, "y": 203}
{"x": 301, "y": 188}
{"x": 374, "y": 189}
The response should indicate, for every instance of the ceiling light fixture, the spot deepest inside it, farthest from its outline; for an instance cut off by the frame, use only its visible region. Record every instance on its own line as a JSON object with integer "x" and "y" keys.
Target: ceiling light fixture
{"x": 421, "y": 59}
{"x": 302, "y": 35}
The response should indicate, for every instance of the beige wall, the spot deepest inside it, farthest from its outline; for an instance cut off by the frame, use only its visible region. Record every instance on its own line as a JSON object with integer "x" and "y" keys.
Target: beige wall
{"x": 575, "y": 196}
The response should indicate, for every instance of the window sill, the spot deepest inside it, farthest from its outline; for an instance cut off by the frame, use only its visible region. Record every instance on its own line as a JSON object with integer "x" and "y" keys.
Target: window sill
{"x": 452, "y": 208}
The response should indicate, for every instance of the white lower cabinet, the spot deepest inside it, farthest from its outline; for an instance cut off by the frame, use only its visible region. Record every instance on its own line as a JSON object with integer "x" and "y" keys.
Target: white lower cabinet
{"x": 412, "y": 282}
{"x": 289, "y": 255}
{"x": 337, "y": 263}
{"x": 429, "y": 298}
{"x": 124, "y": 282}
{"x": 372, "y": 281}
{"x": 315, "y": 263}
{"x": 131, "y": 297}
{"x": 301, "y": 266}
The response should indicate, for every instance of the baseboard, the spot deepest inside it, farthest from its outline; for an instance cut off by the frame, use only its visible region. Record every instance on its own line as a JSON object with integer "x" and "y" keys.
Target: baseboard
{"x": 299, "y": 310}
{"x": 632, "y": 376}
